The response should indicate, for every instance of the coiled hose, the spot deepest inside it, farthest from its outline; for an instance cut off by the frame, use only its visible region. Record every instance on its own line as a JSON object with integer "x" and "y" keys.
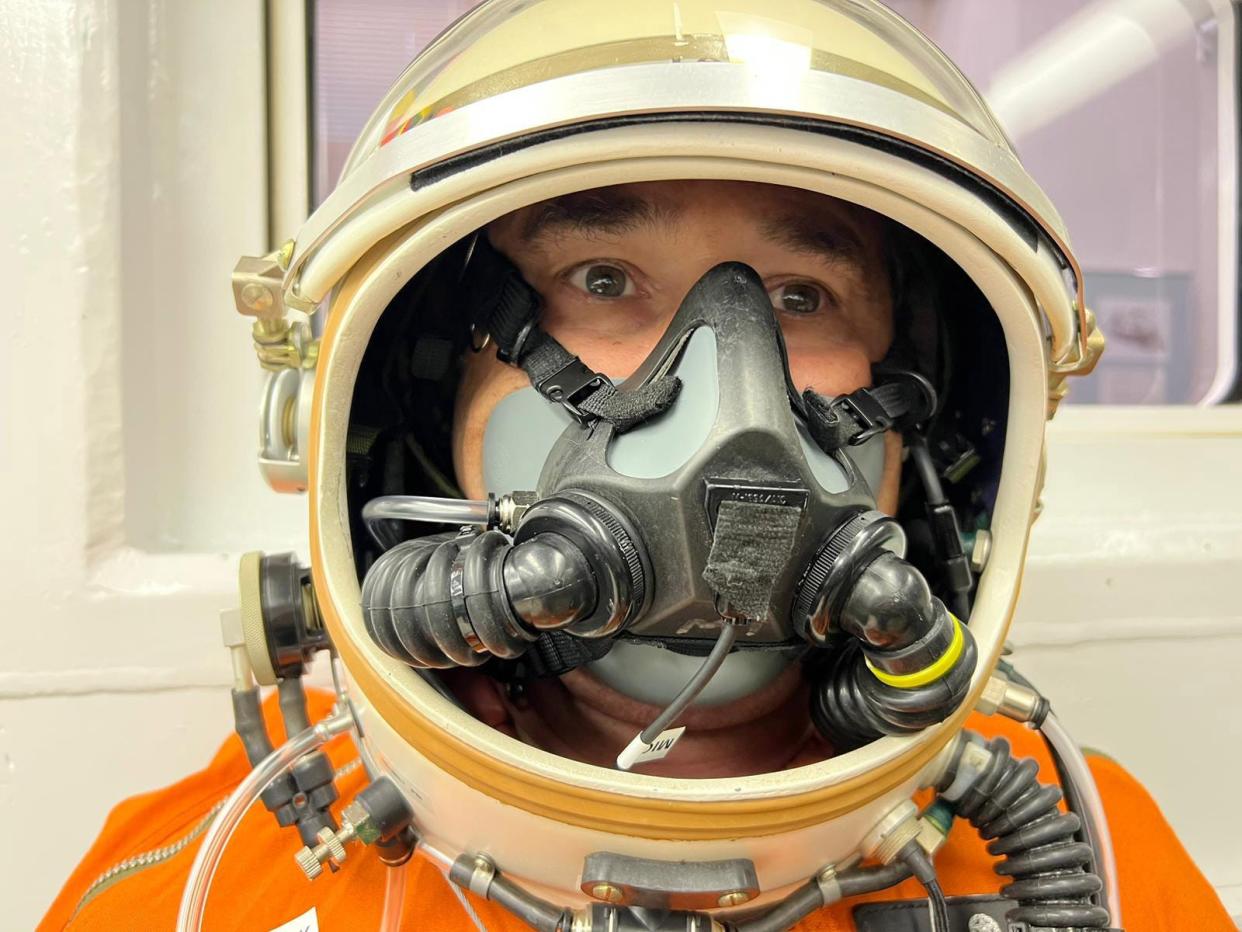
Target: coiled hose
{"x": 1053, "y": 876}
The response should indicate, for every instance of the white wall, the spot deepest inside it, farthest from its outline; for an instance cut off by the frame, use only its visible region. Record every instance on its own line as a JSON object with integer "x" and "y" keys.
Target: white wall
{"x": 1130, "y": 618}
{"x": 134, "y": 174}
{"x": 133, "y": 170}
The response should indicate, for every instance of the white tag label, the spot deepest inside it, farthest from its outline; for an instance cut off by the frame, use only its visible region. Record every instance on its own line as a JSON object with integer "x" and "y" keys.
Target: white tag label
{"x": 307, "y": 922}
{"x": 638, "y": 752}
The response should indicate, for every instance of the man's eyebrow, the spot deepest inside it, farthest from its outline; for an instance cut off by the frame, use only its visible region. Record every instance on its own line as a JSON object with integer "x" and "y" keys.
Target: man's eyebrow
{"x": 829, "y": 239}
{"x": 594, "y": 213}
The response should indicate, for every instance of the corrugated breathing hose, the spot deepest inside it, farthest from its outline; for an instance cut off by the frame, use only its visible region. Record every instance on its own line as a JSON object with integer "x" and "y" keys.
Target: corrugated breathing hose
{"x": 1053, "y": 875}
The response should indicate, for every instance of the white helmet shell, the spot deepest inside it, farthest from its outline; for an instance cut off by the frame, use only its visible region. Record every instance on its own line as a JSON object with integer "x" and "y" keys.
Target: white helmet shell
{"x": 521, "y": 101}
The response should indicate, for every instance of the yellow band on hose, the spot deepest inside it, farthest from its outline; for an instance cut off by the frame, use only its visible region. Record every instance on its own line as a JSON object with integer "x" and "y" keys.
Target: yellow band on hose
{"x": 930, "y": 673}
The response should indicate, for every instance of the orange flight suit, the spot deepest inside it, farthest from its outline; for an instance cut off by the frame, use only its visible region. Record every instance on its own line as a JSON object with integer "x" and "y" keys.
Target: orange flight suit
{"x": 259, "y": 887}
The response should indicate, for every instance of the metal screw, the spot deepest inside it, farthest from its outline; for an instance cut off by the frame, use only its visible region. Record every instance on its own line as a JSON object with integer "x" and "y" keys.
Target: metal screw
{"x": 981, "y": 922}
{"x": 256, "y": 296}
{"x": 309, "y": 863}
{"x": 606, "y": 892}
{"x": 734, "y": 898}
{"x": 331, "y": 849}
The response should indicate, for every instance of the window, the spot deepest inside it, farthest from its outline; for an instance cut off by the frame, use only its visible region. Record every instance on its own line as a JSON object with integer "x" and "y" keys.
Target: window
{"x": 1124, "y": 112}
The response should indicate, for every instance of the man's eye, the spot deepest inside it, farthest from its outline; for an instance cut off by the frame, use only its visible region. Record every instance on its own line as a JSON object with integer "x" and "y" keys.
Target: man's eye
{"x": 602, "y": 280}
{"x": 798, "y": 298}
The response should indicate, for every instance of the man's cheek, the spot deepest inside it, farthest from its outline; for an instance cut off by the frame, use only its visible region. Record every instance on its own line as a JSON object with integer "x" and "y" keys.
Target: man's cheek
{"x": 835, "y": 372}
{"x": 615, "y": 346}
{"x": 485, "y": 382}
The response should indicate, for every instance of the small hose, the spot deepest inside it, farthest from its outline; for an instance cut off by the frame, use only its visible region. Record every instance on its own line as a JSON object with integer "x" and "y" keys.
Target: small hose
{"x": 942, "y": 520}
{"x": 198, "y": 884}
{"x": 1081, "y": 793}
{"x": 424, "y": 508}
{"x": 1089, "y": 806}
{"x": 810, "y": 896}
{"x": 394, "y": 897}
{"x": 694, "y": 686}
{"x": 480, "y": 877}
{"x": 292, "y": 698}
{"x": 1052, "y": 875}
{"x": 939, "y": 907}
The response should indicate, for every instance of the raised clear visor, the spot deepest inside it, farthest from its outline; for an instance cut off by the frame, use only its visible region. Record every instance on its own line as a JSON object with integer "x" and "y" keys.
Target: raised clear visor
{"x": 508, "y": 44}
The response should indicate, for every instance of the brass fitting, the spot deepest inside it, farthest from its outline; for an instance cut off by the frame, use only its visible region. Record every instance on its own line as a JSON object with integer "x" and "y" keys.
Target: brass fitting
{"x": 1091, "y": 348}
{"x": 607, "y": 892}
{"x": 258, "y": 283}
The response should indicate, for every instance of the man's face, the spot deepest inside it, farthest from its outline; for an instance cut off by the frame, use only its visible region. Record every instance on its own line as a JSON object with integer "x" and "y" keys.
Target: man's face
{"x": 614, "y": 264}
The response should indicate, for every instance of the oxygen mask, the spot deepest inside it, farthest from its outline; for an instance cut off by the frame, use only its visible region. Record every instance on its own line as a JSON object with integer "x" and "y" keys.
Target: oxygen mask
{"x": 703, "y": 506}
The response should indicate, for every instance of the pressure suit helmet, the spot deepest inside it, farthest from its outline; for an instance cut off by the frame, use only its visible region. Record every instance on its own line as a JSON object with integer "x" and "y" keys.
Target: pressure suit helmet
{"x": 705, "y": 519}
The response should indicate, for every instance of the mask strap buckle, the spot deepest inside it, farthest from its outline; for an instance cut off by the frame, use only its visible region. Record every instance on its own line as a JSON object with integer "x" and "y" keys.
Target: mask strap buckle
{"x": 571, "y": 386}
{"x": 905, "y": 399}
{"x": 868, "y": 415}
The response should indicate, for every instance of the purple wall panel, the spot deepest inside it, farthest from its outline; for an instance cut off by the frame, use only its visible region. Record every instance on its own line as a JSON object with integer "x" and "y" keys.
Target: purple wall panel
{"x": 1132, "y": 168}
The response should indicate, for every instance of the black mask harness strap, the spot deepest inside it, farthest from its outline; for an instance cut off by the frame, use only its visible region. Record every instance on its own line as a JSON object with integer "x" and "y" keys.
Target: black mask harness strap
{"x": 903, "y": 399}
{"x": 505, "y": 306}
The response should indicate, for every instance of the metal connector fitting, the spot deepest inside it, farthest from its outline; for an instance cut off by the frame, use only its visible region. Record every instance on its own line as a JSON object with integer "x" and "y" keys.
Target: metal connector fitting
{"x": 330, "y": 850}
{"x": 930, "y": 838}
{"x": 258, "y": 282}
{"x": 377, "y": 813}
{"x": 482, "y": 874}
{"x": 829, "y": 885}
{"x": 1011, "y": 700}
{"x": 1022, "y": 704}
{"x": 510, "y": 509}
{"x": 258, "y": 292}
{"x": 359, "y": 819}
{"x": 308, "y": 862}
{"x": 993, "y": 695}
{"x": 892, "y": 833}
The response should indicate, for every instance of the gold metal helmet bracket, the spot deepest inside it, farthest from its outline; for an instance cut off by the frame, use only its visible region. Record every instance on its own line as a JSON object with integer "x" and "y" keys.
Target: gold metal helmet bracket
{"x": 288, "y": 351}
{"x": 257, "y": 293}
{"x": 1090, "y": 347}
